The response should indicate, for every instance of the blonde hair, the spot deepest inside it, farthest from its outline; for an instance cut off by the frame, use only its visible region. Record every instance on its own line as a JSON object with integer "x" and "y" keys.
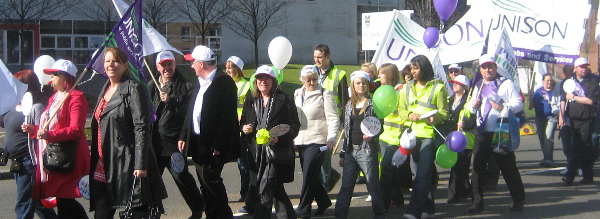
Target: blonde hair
{"x": 371, "y": 69}
{"x": 354, "y": 95}
{"x": 391, "y": 73}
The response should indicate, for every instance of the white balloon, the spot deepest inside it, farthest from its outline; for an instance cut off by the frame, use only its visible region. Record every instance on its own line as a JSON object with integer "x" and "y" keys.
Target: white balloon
{"x": 27, "y": 104}
{"x": 280, "y": 51}
{"x": 41, "y": 63}
{"x": 569, "y": 86}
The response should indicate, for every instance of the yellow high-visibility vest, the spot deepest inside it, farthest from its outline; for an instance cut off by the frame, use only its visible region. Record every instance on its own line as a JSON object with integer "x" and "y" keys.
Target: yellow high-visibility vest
{"x": 420, "y": 101}
{"x": 332, "y": 82}
{"x": 243, "y": 86}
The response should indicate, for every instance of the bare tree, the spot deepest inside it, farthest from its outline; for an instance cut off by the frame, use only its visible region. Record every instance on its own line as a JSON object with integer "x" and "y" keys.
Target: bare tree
{"x": 24, "y": 12}
{"x": 426, "y": 16}
{"x": 102, "y": 10}
{"x": 206, "y": 14}
{"x": 252, "y": 17}
{"x": 157, "y": 12}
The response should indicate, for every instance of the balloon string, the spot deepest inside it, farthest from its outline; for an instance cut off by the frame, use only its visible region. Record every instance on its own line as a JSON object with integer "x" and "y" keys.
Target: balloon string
{"x": 94, "y": 73}
{"x": 439, "y": 133}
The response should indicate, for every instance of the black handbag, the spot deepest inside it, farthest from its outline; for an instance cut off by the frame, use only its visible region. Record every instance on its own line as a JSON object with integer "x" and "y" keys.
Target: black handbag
{"x": 143, "y": 212}
{"x": 60, "y": 156}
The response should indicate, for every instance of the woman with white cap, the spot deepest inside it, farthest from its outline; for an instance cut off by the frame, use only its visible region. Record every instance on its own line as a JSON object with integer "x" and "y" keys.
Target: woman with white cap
{"x": 233, "y": 67}
{"x": 459, "y": 186}
{"x": 359, "y": 151}
{"x": 273, "y": 163}
{"x": 62, "y": 125}
{"x": 420, "y": 97}
{"x": 319, "y": 122}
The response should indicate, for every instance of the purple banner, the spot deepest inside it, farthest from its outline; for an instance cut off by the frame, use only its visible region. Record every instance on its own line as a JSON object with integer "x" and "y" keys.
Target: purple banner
{"x": 128, "y": 35}
{"x": 543, "y": 56}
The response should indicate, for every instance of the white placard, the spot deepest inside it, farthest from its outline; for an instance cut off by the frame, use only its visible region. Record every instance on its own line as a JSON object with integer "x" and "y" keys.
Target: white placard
{"x": 428, "y": 114}
{"x": 370, "y": 126}
{"x": 279, "y": 130}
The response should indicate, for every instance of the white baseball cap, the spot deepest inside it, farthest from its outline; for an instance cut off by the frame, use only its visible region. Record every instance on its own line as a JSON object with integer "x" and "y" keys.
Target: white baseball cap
{"x": 462, "y": 80}
{"x": 266, "y": 70}
{"x": 237, "y": 61}
{"x": 200, "y": 53}
{"x": 455, "y": 66}
{"x": 487, "y": 58}
{"x": 359, "y": 74}
{"x": 581, "y": 61}
{"x": 62, "y": 66}
{"x": 164, "y": 56}
{"x": 308, "y": 69}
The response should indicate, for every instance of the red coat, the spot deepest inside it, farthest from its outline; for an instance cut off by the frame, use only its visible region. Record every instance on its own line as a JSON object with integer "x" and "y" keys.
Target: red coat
{"x": 70, "y": 126}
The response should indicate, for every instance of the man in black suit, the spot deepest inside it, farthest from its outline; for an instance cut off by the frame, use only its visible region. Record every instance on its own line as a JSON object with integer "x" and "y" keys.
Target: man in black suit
{"x": 211, "y": 129}
{"x": 170, "y": 103}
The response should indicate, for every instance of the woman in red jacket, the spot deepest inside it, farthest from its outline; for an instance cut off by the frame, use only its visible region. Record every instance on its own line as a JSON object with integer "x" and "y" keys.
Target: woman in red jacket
{"x": 62, "y": 122}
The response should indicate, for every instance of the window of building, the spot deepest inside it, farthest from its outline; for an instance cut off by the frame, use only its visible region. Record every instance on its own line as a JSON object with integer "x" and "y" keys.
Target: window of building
{"x": 186, "y": 33}
{"x": 14, "y": 46}
{"x": 48, "y": 41}
{"x": 64, "y": 42}
{"x": 77, "y": 48}
{"x": 81, "y": 42}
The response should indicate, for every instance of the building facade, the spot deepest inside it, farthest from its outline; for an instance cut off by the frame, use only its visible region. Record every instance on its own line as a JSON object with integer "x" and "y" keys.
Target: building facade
{"x": 75, "y": 33}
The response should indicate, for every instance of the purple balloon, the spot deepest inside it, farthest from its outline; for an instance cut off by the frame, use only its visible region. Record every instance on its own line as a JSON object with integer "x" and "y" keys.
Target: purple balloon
{"x": 431, "y": 37}
{"x": 445, "y": 8}
{"x": 456, "y": 141}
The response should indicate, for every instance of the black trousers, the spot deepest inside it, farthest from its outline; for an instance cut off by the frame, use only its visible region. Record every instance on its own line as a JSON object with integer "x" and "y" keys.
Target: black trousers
{"x": 185, "y": 183}
{"x": 213, "y": 189}
{"x": 581, "y": 150}
{"x": 506, "y": 163}
{"x": 102, "y": 204}
{"x": 243, "y": 164}
{"x": 69, "y": 208}
{"x": 459, "y": 184}
{"x": 394, "y": 180}
{"x": 311, "y": 159}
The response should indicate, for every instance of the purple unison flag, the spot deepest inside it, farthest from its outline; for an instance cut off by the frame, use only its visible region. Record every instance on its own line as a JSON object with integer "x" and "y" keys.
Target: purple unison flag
{"x": 127, "y": 36}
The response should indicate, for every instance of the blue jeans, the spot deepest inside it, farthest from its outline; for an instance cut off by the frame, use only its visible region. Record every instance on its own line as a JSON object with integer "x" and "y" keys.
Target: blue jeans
{"x": 366, "y": 160}
{"x": 421, "y": 199}
{"x": 545, "y": 130}
{"x": 25, "y": 206}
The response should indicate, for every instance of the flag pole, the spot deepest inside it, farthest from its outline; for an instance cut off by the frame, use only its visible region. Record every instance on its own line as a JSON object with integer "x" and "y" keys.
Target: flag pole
{"x": 151, "y": 75}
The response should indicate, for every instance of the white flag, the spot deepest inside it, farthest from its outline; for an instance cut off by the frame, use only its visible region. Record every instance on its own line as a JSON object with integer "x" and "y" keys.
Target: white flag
{"x": 153, "y": 41}
{"x": 12, "y": 90}
{"x": 440, "y": 72}
{"x": 539, "y": 70}
{"x": 506, "y": 60}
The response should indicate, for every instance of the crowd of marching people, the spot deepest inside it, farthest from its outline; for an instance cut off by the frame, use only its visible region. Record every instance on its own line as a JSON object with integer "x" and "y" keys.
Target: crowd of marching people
{"x": 139, "y": 130}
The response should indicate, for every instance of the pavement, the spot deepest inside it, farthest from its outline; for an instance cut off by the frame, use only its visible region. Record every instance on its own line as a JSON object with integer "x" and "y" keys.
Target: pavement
{"x": 546, "y": 197}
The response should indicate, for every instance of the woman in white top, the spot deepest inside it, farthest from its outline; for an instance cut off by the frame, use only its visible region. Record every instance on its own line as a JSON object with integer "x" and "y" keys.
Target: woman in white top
{"x": 319, "y": 122}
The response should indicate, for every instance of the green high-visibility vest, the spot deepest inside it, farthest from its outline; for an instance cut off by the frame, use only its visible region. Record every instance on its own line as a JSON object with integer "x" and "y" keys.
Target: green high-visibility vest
{"x": 420, "y": 102}
{"x": 243, "y": 86}
{"x": 332, "y": 82}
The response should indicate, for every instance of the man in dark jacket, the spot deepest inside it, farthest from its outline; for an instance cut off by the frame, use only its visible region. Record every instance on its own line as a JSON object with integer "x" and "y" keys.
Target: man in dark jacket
{"x": 581, "y": 110}
{"x": 170, "y": 103}
{"x": 211, "y": 129}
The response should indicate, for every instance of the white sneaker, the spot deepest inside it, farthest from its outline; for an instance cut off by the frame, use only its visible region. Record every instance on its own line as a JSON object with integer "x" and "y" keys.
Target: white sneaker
{"x": 409, "y": 216}
{"x": 368, "y": 199}
{"x": 563, "y": 172}
{"x": 426, "y": 215}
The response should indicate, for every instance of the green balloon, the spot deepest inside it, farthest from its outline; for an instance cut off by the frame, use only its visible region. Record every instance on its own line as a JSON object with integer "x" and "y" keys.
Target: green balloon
{"x": 444, "y": 157}
{"x": 385, "y": 100}
{"x": 278, "y": 74}
{"x": 470, "y": 140}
